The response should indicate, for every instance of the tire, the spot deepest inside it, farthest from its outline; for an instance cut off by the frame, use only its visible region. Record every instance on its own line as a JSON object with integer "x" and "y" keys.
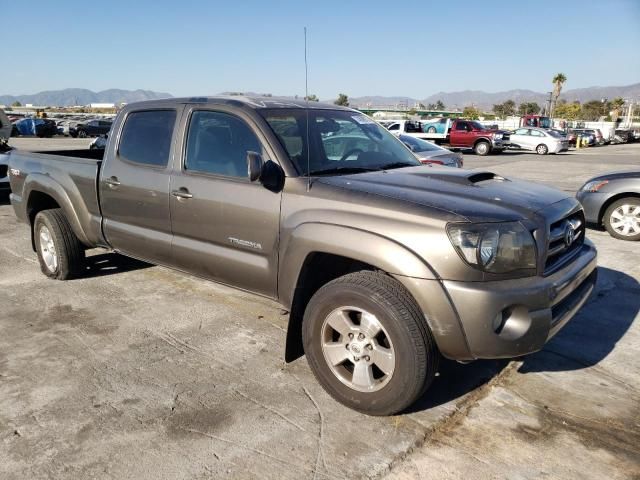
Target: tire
{"x": 542, "y": 149}
{"x": 431, "y": 130}
{"x": 364, "y": 298}
{"x": 60, "y": 253}
{"x": 629, "y": 209}
{"x": 82, "y": 134}
{"x": 482, "y": 148}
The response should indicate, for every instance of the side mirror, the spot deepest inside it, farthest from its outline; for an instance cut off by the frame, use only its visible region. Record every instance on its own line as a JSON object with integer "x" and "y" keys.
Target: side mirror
{"x": 254, "y": 165}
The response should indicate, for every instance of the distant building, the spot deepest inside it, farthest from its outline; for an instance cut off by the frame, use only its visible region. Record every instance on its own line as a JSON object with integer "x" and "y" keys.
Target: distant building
{"x": 102, "y": 105}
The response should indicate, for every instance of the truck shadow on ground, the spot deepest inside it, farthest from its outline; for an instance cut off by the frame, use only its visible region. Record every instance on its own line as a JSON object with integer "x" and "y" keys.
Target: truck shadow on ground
{"x": 4, "y": 198}
{"x": 111, "y": 263}
{"x": 585, "y": 341}
{"x": 594, "y": 332}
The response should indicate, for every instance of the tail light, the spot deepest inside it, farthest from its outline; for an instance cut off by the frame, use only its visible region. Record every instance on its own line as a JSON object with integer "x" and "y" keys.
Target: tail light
{"x": 428, "y": 162}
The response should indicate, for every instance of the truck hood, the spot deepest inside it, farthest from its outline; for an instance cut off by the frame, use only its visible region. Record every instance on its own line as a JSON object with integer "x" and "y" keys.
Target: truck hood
{"x": 478, "y": 196}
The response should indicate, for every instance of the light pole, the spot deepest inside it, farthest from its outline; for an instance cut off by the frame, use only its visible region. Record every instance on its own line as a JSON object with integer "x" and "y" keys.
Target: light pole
{"x": 604, "y": 107}
{"x": 550, "y": 103}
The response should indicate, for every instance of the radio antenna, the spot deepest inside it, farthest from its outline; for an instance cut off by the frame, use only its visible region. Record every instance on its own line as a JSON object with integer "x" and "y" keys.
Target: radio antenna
{"x": 306, "y": 98}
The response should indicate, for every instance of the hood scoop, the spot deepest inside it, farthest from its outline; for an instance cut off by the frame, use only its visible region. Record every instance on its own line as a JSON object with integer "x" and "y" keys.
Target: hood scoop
{"x": 473, "y": 178}
{"x": 485, "y": 177}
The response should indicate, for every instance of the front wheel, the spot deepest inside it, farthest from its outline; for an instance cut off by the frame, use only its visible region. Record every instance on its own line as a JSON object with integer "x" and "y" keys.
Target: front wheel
{"x": 82, "y": 134}
{"x": 482, "y": 148}
{"x": 431, "y": 130}
{"x": 622, "y": 219}
{"x": 60, "y": 253}
{"x": 542, "y": 149}
{"x": 368, "y": 344}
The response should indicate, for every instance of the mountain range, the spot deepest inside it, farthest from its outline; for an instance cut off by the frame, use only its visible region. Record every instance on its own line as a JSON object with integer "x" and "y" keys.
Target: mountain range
{"x": 82, "y": 96}
{"x": 485, "y": 100}
{"x": 452, "y": 100}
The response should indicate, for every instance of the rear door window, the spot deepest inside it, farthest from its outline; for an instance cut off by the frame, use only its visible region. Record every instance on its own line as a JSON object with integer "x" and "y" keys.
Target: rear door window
{"x": 146, "y": 137}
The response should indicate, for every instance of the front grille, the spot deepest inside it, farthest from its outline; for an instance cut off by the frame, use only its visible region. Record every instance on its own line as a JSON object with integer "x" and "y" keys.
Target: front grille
{"x": 506, "y": 137}
{"x": 560, "y": 248}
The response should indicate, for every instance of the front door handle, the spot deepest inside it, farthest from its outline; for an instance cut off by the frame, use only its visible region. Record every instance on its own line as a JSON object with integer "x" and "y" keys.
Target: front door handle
{"x": 181, "y": 193}
{"x": 112, "y": 182}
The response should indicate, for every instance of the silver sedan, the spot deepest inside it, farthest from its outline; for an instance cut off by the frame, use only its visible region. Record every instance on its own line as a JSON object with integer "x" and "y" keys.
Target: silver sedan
{"x": 539, "y": 140}
{"x": 430, "y": 153}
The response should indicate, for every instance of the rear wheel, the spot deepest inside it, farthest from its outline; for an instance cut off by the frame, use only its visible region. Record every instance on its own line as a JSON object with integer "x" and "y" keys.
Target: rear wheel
{"x": 482, "y": 148}
{"x": 82, "y": 134}
{"x": 431, "y": 130}
{"x": 368, "y": 344}
{"x": 622, "y": 219}
{"x": 542, "y": 149}
{"x": 60, "y": 253}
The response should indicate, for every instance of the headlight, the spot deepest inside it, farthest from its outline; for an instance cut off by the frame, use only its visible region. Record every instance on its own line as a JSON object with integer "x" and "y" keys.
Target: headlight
{"x": 594, "y": 186}
{"x": 497, "y": 136}
{"x": 494, "y": 247}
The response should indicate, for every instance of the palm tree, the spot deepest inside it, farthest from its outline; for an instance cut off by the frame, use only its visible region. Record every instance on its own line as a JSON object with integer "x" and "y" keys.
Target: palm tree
{"x": 558, "y": 83}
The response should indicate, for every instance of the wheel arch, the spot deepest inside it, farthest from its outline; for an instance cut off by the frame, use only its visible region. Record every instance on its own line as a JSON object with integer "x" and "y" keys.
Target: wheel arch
{"x": 42, "y": 193}
{"x": 614, "y": 198}
{"x": 318, "y": 253}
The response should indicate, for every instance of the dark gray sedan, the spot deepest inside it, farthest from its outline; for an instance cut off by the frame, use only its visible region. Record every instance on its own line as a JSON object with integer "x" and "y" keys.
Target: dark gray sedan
{"x": 612, "y": 200}
{"x": 430, "y": 153}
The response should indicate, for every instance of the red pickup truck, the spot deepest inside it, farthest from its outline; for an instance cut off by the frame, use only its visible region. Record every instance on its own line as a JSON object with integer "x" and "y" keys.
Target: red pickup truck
{"x": 461, "y": 134}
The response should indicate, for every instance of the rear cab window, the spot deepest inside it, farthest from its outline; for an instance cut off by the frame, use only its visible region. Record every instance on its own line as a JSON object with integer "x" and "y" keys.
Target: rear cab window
{"x": 146, "y": 137}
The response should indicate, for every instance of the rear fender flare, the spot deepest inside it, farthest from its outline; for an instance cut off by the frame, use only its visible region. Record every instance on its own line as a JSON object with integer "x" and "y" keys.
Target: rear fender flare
{"x": 44, "y": 184}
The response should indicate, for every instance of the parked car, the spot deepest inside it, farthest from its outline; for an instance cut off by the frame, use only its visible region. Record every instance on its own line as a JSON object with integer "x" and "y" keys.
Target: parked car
{"x": 612, "y": 200}
{"x": 40, "y": 127}
{"x": 383, "y": 264}
{"x": 92, "y": 128}
{"x": 430, "y": 153}
{"x": 439, "y": 125}
{"x": 539, "y": 140}
{"x": 4, "y": 167}
{"x": 590, "y": 134}
{"x": 583, "y": 133}
{"x": 5, "y": 126}
{"x": 100, "y": 143}
{"x": 623, "y": 136}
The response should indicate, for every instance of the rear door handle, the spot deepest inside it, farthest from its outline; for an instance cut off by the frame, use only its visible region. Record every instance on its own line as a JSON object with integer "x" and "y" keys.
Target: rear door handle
{"x": 112, "y": 181}
{"x": 181, "y": 193}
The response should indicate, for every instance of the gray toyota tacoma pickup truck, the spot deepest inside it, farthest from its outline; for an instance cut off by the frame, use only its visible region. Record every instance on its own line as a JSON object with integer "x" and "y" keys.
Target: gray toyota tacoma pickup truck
{"x": 385, "y": 265}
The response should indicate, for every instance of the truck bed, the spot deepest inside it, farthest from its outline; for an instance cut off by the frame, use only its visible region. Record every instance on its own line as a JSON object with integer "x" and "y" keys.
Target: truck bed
{"x": 71, "y": 177}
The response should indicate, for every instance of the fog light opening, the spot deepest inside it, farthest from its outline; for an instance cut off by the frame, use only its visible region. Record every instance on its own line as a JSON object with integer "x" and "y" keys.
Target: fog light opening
{"x": 500, "y": 320}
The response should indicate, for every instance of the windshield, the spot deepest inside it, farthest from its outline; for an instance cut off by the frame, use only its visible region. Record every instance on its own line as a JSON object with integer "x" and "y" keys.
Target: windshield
{"x": 418, "y": 145}
{"x": 339, "y": 141}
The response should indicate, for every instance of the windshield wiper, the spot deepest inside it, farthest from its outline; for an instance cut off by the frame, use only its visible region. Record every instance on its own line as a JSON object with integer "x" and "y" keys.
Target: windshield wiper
{"x": 344, "y": 170}
{"x": 390, "y": 166}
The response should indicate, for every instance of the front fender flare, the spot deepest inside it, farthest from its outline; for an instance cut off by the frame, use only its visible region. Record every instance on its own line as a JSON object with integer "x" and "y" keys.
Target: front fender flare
{"x": 367, "y": 247}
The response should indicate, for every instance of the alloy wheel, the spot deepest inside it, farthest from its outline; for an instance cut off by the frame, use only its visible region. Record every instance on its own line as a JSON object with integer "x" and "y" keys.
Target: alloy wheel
{"x": 357, "y": 349}
{"x": 625, "y": 220}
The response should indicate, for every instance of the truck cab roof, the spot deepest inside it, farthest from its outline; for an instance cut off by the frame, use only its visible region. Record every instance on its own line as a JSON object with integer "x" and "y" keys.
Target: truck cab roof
{"x": 248, "y": 102}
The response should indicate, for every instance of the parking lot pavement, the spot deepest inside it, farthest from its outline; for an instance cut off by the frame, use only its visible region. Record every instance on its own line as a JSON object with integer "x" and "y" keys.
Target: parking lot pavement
{"x": 140, "y": 372}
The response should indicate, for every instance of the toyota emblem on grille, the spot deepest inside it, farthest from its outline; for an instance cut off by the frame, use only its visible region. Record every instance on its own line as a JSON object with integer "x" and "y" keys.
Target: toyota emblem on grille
{"x": 569, "y": 234}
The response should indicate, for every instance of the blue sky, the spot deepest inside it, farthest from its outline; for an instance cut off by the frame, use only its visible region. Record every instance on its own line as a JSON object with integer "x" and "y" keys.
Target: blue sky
{"x": 192, "y": 47}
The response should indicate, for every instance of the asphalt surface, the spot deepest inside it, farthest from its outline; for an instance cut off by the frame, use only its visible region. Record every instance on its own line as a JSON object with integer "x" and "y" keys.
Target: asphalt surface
{"x": 139, "y": 372}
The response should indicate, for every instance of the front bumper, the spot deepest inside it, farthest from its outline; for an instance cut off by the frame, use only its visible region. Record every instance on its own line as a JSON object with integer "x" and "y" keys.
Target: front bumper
{"x": 503, "y": 319}
{"x": 592, "y": 203}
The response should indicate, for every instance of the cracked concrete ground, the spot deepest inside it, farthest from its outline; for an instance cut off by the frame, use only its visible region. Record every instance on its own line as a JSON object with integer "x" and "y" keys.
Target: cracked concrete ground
{"x": 140, "y": 372}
